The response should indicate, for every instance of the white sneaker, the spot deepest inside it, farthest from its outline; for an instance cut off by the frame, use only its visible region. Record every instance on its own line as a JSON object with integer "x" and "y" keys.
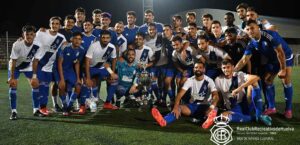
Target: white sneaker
{"x": 95, "y": 99}
{"x": 93, "y": 106}
{"x": 87, "y": 103}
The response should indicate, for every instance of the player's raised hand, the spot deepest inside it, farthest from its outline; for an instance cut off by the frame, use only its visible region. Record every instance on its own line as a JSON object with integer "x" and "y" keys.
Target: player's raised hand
{"x": 282, "y": 73}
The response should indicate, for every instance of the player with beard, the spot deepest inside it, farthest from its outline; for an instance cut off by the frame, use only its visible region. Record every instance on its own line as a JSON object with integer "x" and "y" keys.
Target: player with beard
{"x": 149, "y": 18}
{"x": 96, "y": 15}
{"x": 121, "y": 40}
{"x": 190, "y": 18}
{"x": 212, "y": 56}
{"x": 201, "y": 105}
{"x": 183, "y": 60}
{"x": 126, "y": 68}
{"x": 241, "y": 10}
{"x": 97, "y": 67}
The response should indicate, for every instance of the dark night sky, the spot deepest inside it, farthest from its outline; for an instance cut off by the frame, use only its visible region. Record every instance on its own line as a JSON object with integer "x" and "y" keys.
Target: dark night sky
{"x": 37, "y": 12}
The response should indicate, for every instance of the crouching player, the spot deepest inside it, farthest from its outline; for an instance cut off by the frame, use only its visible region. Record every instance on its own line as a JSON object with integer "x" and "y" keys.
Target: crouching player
{"x": 201, "y": 88}
{"x": 69, "y": 57}
{"x": 24, "y": 59}
{"x": 126, "y": 68}
{"x": 231, "y": 89}
{"x": 97, "y": 67}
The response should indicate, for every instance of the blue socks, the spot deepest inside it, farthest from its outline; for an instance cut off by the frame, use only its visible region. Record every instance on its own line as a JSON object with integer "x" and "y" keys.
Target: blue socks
{"x": 84, "y": 93}
{"x": 72, "y": 99}
{"x": 171, "y": 95}
{"x": 170, "y": 118}
{"x": 270, "y": 94}
{"x": 63, "y": 100}
{"x": 111, "y": 89}
{"x": 95, "y": 92}
{"x": 288, "y": 93}
{"x": 69, "y": 90}
{"x": 257, "y": 100}
{"x": 13, "y": 98}
{"x": 35, "y": 98}
{"x": 238, "y": 117}
{"x": 44, "y": 92}
{"x": 155, "y": 89}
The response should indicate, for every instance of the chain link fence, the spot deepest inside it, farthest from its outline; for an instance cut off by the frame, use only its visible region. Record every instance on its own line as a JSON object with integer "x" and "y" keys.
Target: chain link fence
{"x": 6, "y": 43}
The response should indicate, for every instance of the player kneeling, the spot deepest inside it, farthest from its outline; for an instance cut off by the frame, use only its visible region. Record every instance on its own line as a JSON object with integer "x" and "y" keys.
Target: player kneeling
{"x": 201, "y": 88}
{"x": 126, "y": 68}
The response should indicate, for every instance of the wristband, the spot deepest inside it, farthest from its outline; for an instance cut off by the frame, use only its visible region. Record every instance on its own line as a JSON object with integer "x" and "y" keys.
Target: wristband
{"x": 34, "y": 76}
{"x": 109, "y": 70}
{"x": 212, "y": 106}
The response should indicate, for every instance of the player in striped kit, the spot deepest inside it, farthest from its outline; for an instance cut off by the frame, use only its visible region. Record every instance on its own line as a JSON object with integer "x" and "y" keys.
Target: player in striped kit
{"x": 50, "y": 41}
{"x": 97, "y": 67}
{"x": 24, "y": 59}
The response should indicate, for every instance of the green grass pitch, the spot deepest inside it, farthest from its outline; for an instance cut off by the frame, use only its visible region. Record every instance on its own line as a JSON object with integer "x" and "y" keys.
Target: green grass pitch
{"x": 131, "y": 127}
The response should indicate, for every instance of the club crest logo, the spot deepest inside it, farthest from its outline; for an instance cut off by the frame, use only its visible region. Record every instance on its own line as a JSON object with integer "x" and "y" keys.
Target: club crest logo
{"x": 221, "y": 132}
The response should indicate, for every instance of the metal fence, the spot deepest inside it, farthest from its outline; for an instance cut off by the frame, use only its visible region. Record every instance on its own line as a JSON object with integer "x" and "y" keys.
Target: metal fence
{"x": 6, "y": 43}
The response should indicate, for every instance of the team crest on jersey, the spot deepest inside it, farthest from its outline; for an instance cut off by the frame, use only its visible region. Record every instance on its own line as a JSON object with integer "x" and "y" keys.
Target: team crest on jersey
{"x": 144, "y": 55}
{"x": 189, "y": 56}
{"x": 120, "y": 41}
{"x": 32, "y": 52}
{"x": 107, "y": 54}
{"x": 265, "y": 43}
{"x": 213, "y": 56}
{"x": 203, "y": 90}
{"x": 56, "y": 43}
{"x": 29, "y": 57}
